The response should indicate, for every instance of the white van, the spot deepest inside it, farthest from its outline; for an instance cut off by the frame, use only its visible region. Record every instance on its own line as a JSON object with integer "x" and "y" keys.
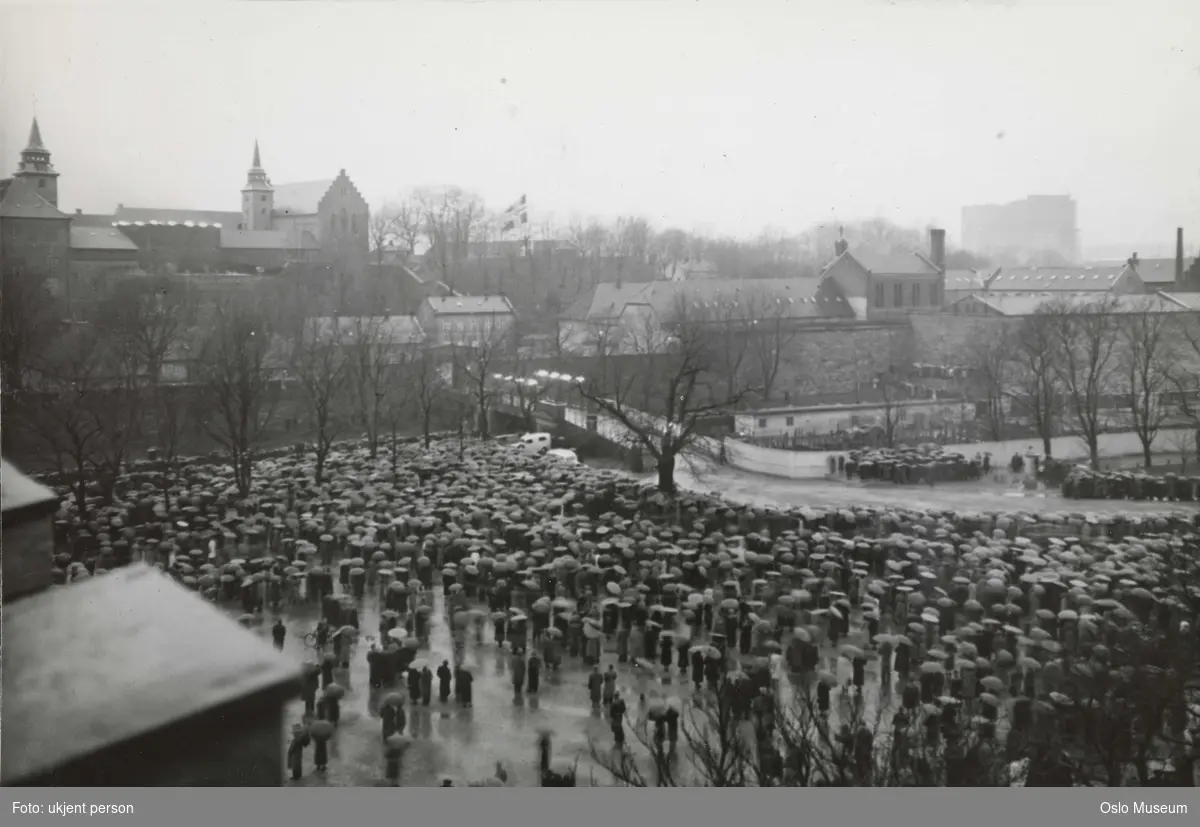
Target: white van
{"x": 538, "y": 443}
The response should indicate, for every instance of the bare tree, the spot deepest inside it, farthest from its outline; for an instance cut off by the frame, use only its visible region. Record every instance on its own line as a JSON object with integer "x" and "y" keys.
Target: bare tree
{"x": 772, "y": 335}
{"x": 58, "y": 404}
{"x": 1087, "y": 337}
{"x": 371, "y": 349}
{"x": 29, "y": 320}
{"x": 477, "y": 350}
{"x": 1147, "y": 355}
{"x": 1035, "y": 375}
{"x": 407, "y": 225}
{"x": 236, "y": 370}
{"x": 429, "y": 385}
{"x": 662, "y": 381}
{"x": 317, "y": 358}
{"x": 990, "y": 362}
{"x": 452, "y": 218}
{"x": 382, "y": 230}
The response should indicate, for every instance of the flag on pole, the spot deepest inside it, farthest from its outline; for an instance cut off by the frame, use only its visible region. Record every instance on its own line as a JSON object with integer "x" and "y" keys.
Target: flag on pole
{"x": 516, "y": 215}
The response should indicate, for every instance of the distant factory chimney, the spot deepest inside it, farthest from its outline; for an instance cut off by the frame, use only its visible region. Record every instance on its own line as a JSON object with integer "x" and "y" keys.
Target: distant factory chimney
{"x": 1178, "y": 258}
{"x": 937, "y": 248}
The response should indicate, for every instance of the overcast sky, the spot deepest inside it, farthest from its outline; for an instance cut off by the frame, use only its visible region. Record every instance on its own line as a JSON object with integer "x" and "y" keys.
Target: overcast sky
{"x": 726, "y": 115}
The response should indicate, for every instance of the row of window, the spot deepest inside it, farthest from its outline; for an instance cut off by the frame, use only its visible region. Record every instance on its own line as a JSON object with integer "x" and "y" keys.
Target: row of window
{"x": 914, "y": 294}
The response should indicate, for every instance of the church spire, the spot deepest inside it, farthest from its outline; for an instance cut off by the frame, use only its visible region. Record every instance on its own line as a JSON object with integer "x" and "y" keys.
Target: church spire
{"x": 35, "y": 165}
{"x": 258, "y": 197}
{"x": 35, "y": 138}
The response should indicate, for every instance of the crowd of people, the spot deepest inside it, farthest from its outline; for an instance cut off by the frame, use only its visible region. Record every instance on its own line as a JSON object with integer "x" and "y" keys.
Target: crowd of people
{"x": 924, "y": 465}
{"x": 573, "y": 568}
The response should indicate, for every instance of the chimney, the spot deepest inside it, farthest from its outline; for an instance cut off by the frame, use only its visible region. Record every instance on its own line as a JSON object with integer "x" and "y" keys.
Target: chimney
{"x": 79, "y": 211}
{"x": 1133, "y": 260}
{"x": 937, "y": 248}
{"x": 1178, "y": 258}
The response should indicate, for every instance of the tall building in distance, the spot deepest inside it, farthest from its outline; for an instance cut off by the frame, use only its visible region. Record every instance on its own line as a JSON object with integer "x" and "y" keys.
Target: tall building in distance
{"x": 1039, "y": 229}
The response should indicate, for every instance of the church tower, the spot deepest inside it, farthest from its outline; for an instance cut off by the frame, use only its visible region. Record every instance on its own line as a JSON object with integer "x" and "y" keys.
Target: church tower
{"x": 35, "y": 166}
{"x": 258, "y": 197}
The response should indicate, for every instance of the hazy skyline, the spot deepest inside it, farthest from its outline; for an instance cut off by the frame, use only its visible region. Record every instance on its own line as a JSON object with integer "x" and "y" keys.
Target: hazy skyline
{"x": 722, "y": 116}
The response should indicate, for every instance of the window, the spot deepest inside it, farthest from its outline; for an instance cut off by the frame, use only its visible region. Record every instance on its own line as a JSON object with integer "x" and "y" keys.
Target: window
{"x": 879, "y": 295}
{"x": 41, "y": 183}
{"x": 898, "y": 295}
{"x": 791, "y": 421}
{"x": 916, "y": 295}
{"x": 354, "y": 223}
{"x": 762, "y": 422}
{"x": 262, "y": 198}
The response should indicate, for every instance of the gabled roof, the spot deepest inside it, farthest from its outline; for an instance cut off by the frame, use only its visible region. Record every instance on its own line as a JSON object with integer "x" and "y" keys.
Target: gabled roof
{"x": 92, "y": 220}
{"x": 794, "y": 298}
{"x": 392, "y": 329}
{"x": 1188, "y": 301}
{"x": 897, "y": 264}
{"x": 1012, "y": 304}
{"x": 468, "y": 305}
{"x": 1160, "y": 271}
{"x": 100, "y": 238}
{"x": 964, "y": 280}
{"x": 147, "y": 214}
{"x": 301, "y": 198}
{"x": 233, "y": 239}
{"x": 19, "y": 198}
{"x": 1065, "y": 279}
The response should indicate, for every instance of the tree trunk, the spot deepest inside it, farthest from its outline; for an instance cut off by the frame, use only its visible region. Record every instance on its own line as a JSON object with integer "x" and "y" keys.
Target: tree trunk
{"x": 319, "y": 473}
{"x": 666, "y": 473}
{"x": 1094, "y": 450}
{"x": 1146, "y": 452}
{"x": 425, "y": 420}
{"x": 484, "y": 431}
{"x": 1046, "y": 445}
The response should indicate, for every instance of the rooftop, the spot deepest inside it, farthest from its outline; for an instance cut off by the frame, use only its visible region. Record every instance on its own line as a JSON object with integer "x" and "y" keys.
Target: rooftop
{"x": 776, "y": 298}
{"x": 1066, "y": 279}
{"x": 19, "y": 493}
{"x": 391, "y": 329}
{"x": 902, "y": 264}
{"x": 219, "y": 218}
{"x": 302, "y": 197}
{"x": 100, "y": 238}
{"x": 19, "y": 198}
{"x": 468, "y": 305}
{"x": 132, "y": 652}
{"x": 234, "y": 239}
{"x": 1026, "y": 304}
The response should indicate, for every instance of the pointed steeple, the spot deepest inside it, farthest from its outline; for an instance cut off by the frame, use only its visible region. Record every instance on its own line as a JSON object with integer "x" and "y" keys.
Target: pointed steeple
{"x": 35, "y": 138}
{"x": 258, "y": 197}
{"x": 35, "y": 165}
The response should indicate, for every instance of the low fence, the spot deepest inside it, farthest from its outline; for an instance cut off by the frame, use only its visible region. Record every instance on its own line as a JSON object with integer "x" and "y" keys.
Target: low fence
{"x": 814, "y": 465}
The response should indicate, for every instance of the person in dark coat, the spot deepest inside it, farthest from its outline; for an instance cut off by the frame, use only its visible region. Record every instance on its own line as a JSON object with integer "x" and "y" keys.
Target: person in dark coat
{"x": 321, "y": 755}
{"x": 534, "y": 672}
{"x": 387, "y": 717}
{"x": 610, "y": 685}
{"x": 374, "y": 672}
{"x": 308, "y": 690}
{"x": 672, "y": 718}
{"x": 595, "y": 683}
{"x": 712, "y": 673}
{"x": 698, "y": 669}
{"x": 278, "y": 633}
{"x": 426, "y": 685}
{"x": 414, "y": 685}
{"x": 295, "y": 753}
{"x": 518, "y": 673}
{"x": 327, "y": 664}
{"x": 616, "y": 719}
{"x": 444, "y": 676}
{"x": 465, "y": 679}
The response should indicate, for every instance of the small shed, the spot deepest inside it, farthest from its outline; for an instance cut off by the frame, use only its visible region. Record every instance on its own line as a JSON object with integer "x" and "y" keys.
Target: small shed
{"x": 128, "y": 679}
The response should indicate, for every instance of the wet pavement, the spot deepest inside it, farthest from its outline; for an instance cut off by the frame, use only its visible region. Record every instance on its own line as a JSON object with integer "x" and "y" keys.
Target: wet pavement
{"x": 466, "y": 744}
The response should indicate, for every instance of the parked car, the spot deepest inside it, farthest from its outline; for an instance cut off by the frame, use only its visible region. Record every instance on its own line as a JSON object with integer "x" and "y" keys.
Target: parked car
{"x": 538, "y": 443}
{"x": 564, "y": 454}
